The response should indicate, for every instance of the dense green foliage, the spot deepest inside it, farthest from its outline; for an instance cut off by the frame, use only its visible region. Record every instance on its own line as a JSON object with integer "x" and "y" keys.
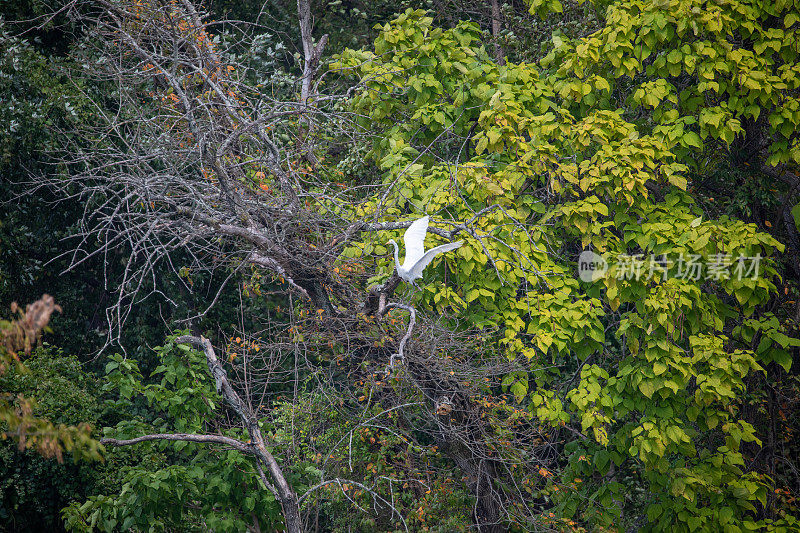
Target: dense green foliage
{"x": 34, "y": 488}
{"x": 657, "y": 404}
{"x": 662, "y": 136}
{"x": 220, "y": 484}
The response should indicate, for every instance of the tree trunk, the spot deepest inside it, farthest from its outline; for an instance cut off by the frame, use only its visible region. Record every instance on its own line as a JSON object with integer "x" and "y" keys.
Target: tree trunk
{"x": 479, "y": 479}
{"x": 498, "y": 50}
{"x": 311, "y": 57}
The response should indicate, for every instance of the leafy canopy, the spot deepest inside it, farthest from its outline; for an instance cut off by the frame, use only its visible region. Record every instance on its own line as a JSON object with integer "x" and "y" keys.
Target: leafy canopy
{"x": 647, "y": 370}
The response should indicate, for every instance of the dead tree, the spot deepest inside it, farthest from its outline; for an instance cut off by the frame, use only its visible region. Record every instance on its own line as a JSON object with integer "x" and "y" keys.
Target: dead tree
{"x": 190, "y": 156}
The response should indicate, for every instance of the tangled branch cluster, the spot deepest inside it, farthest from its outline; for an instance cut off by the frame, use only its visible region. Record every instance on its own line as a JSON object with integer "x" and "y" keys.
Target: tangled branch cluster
{"x": 191, "y": 159}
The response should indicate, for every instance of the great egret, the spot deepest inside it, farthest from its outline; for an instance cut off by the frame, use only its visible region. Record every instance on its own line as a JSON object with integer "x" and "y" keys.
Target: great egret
{"x": 416, "y": 257}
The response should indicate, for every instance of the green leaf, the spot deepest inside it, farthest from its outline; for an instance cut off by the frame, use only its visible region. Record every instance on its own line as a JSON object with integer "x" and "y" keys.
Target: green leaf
{"x": 784, "y": 340}
{"x": 653, "y": 512}
{"x": 692, "y": 139}
{"x": 519, "y": 390}
{"x": 678, "y": 181}
{"x": 783, "y": 358}
{"x": 647, "y": 388}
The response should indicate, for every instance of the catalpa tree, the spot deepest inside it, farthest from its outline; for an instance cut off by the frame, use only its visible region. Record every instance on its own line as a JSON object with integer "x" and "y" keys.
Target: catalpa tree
{"x": 639, "y": 371}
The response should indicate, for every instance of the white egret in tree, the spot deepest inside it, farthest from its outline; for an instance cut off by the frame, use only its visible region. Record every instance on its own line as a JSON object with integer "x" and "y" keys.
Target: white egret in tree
{"x": 416, "y": 257}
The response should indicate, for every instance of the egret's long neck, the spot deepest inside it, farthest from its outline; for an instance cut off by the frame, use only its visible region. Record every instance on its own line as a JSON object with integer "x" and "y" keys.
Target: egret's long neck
{"x": 396, "y": 256}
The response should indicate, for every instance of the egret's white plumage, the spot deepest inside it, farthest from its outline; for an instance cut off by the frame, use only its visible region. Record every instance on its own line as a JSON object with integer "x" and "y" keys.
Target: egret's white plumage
{"x": 416, "y": 257}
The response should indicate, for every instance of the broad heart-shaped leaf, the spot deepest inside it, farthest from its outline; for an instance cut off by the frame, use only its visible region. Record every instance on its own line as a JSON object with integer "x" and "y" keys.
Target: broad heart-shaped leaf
{"x": 519, "y": 390}
{"x": 796, "y": 215}
{"x": 692, "y": 139}
{"x": 647, "y": 388}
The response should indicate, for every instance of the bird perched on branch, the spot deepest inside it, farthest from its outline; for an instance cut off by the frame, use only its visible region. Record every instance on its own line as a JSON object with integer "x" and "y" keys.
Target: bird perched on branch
{"x": 416, "y": 257}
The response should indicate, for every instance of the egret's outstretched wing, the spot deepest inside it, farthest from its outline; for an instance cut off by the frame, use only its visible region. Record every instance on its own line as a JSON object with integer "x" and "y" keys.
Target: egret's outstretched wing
{"x": 416, "y": 270}
{"x": 415, "y": 241}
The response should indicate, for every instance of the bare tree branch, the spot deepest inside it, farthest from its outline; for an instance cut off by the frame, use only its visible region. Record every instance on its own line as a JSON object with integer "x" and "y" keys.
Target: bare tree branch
{"x": 187, "y": 437}
{"x": 285, "y": 493}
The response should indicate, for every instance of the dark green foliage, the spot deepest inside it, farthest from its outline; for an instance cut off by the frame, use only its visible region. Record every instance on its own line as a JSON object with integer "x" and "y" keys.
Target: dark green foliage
{"x": 348, "y": 23}
{"x": 172, "y": 485}
{"x": 33, "y": 489}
